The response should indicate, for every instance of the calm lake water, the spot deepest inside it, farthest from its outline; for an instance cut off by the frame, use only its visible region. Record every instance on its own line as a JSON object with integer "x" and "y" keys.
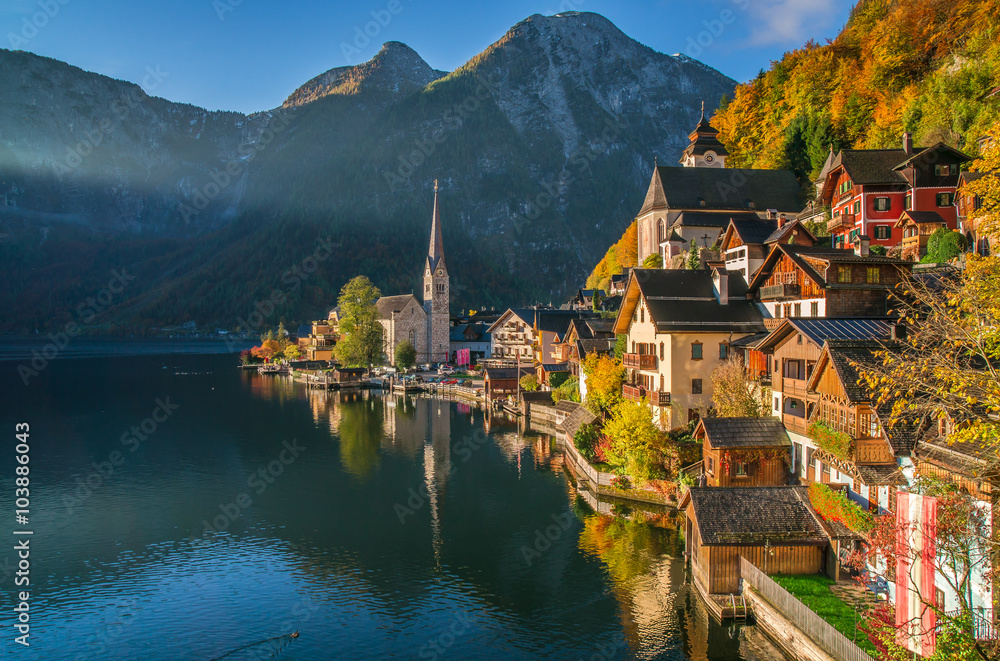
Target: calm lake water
{"x": 243, "y": 508}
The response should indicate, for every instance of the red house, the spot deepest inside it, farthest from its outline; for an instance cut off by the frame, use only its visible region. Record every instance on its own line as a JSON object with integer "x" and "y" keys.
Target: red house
{"x": 867, "y": 190}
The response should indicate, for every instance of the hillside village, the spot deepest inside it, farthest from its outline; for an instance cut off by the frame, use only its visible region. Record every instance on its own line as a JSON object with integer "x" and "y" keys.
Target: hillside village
{"x": 740, "y": 277}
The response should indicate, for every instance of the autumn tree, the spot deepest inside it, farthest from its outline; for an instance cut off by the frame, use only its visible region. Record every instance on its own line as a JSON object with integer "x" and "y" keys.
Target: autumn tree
{"x": 987, "y": 187}
{"x": 361, "y": 344}
{"x": 529, "y": 383}
{"x": 405, "y": 355}
{"x": 736, "y": 394}
{"x": 654, "y": 261}
{"x": 291, "y": 351}
{"x": 636, "y": 443}
{"x": 604, "y": 377}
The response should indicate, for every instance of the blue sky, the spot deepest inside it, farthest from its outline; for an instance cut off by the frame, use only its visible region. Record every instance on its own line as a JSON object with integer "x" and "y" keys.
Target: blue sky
{"x": 248, "y": 55}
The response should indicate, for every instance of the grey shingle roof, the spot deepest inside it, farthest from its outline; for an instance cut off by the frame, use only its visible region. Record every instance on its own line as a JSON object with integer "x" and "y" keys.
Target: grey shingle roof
{"x": 598, "y": 346}
{"x": 873, "y": 166}
{"x": 856, "y": 328}
{"x": 579, "y": 417}
{"x": 682, "y": 300}
{"x": 722, "y": 189}
{"x": 754, "y": 231}
{"x": 921, "y": 217}
{"x": 712, "y": 219}
{"x": 729, "y": 516}
{"x": 389, "y": 304}
{"x": 745, "y": 432}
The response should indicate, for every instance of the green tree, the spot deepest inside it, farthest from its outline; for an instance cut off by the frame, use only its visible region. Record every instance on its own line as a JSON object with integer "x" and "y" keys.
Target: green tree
{"x": 405, "y": 355}
{"x": 944, "y": 245}
{"x": 529, "y": 383}
{"x": 361, "y": 345}
{"x": 693, "y": 258}
{"x": 291, "y": 351}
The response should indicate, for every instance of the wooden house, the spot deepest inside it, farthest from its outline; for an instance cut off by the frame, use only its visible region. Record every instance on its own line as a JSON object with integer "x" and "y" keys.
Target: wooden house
{"x": 744, "y": 452}
{"x": 775, "y": 528}
{"x": 917, "y": 227}
{"x": 348, "y": 376}
{"x": 746, "y": 243}
{"x": 867, "y": 463}
{"x": 500, "y": 382}
{"x": 817, "y": 281}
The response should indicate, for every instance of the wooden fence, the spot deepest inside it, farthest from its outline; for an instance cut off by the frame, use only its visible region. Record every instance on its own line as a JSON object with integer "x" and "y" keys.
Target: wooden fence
{"x": 811, "y": 624}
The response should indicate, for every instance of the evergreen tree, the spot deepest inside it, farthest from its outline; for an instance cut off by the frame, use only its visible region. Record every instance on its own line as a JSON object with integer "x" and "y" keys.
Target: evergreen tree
{"x": 694, "y": 259}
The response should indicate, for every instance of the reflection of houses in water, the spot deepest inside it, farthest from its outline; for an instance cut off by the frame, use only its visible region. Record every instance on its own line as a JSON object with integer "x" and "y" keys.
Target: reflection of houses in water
{"x": 270, "y": 386}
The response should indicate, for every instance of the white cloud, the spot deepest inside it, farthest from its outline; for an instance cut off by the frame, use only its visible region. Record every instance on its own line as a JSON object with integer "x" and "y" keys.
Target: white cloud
{"x": 790, "y": 21}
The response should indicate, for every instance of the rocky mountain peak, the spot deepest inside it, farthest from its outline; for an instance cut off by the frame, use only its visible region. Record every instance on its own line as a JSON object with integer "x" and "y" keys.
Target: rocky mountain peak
{"x": 395, "y": 70}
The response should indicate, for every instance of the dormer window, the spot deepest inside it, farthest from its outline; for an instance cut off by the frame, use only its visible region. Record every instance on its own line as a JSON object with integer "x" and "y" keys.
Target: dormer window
{"x": 750, "y": 204}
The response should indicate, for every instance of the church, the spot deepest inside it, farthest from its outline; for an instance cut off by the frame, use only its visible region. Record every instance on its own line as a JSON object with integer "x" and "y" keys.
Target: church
{"x": 693, "y": 203}
{"x": 425, "y": 323}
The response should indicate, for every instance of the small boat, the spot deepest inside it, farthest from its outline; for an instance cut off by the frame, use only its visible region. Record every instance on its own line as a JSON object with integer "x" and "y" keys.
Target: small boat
{"x": 272, "y": 368}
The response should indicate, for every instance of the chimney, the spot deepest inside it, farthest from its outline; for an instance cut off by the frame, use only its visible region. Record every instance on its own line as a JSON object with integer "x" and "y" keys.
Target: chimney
{"x": 720, "y": 285}
{"x": 861, "y": 246}
{"x": 781, "y": 221}
{"x": 908, "y": 142}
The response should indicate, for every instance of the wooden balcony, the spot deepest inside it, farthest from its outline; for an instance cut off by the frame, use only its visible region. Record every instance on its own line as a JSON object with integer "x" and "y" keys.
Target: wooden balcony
{"x": 873, "y": 451}
{"x": 641, "y": 361}
{"x": 842, "y": 222}
{"x": 633, "y": 393}
{"x": 660, "y": 398}
{"x": 780, "y": 292}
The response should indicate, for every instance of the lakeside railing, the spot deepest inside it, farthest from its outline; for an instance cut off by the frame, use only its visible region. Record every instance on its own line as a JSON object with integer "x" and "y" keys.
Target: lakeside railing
{"x": 812, "y": 625}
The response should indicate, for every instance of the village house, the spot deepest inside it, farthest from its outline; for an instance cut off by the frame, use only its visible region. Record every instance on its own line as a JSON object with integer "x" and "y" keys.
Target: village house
{"x": 774, "y": 528}
{"x": 473, "y": 336}
{"x": 532, "y": 334}
{"x": 817, "y": 281}
{"x": 425, "y": 323}
{"x": 795, "y": 353}
{"x": 317, "y": 340}
{"x": 746, "y": 243}
{"x": 694, "y": 203}
{"x": 502, "y": 382}
{"x": 584, "y": 299}
{"x": 583, "y": 337}
{"x": 679, "y": 327}
{"x": 916, "y": 228}
{"x": 744, "y": 452}
{"x": 868, "y": 189}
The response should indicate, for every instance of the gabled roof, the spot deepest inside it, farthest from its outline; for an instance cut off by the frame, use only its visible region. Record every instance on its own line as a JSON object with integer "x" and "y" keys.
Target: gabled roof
{"x": 968, "y": 177}
{"x": 921, "y": 218}
{"x": 743, "y": 432}
{"x": 305, "y": 330}
{"x": 872, "y": 166}
{"x": 555, "y": 367}
{"x": 782, "y": 233}
{"x": 820, "y": 329}
{"x": 727, "y": 189}
{"x": 750, "y": 231}
{"x": 576, "y": 419}
{"x": 500, "y": 373}
{"x": 710, "y": 219}
{"x": 732, "y": 516}
{"x": 685, "y": 301}
{"x": 389, "y": 304}
{"x": 921, "y": 154}
{"x": 598, "y": 346}
{"x": 821, "y": 253}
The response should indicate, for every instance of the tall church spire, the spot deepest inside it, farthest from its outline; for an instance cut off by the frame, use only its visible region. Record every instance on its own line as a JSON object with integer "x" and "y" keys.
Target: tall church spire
{"x": 436, "y": 250}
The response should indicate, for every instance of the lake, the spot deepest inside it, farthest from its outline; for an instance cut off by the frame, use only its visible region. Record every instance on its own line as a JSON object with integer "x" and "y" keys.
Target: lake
{"x": 184, "y": 509}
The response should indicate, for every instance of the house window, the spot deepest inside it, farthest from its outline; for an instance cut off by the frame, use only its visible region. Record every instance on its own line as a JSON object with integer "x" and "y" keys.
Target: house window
{"x": 711, "y": 465}
{"x": 942, "y": 170}
{"x": 695, "y": 386}
{"x": 883, "y": 204}
{"x": 788, "y": 309}
{"x": 427, "y": 288}
{"x": 642, "y": 315}
{"x": 814, "y": 308}
{"x": 696, "y": 351}
{"x": 874, "y": 275}
{"x": 798, "y": 309}
{"x": 777, "y": 310}
{"x": 661, "y": 350}
{"x": 908, "y": 201}
{"x": 945, "y": 199}
{"x": 723, "y": 351}
{"x": 843, "y": 274}
{"x": 882, "y": 232}
{"x": 777, "y": 406}
{"x": 857, "y": 207}
{"x": 741, "y": 469}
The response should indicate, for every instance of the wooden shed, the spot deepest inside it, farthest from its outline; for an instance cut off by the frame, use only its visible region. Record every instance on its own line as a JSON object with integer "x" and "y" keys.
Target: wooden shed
{"x": 347, "y": 375}
{"x": 775, "y": 528}
{"x": 502, "y": 381}
{"x": 744, "y": 452}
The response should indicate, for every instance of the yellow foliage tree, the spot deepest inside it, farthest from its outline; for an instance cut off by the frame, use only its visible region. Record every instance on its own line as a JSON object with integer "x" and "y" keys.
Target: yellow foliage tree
{"x": 604, "y": 377}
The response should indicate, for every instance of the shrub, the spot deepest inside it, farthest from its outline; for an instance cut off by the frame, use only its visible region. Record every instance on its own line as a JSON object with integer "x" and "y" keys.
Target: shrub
{"x": 585, "y": 439}
{"x": 835, "y": 506}
{"x": 827, "y": 438}
{"x": 621, "y": 482}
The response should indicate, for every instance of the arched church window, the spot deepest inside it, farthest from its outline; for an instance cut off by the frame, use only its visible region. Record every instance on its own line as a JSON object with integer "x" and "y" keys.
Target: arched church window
{"x": 662, "y": 231}
{"x": 413, "y": 337}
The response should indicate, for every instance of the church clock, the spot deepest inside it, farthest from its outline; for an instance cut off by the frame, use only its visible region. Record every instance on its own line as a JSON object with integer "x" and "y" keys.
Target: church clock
{"x": 709, "y": 157}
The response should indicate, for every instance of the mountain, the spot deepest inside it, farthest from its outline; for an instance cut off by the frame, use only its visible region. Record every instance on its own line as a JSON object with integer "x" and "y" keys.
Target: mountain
{"x": 542, "y": 144}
